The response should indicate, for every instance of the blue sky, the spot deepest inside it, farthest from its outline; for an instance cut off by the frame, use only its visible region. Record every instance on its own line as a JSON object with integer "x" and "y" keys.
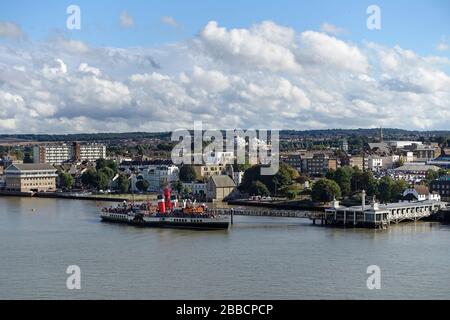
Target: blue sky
{"x": 161, "y": 65}
{"x": 418, "y": 25}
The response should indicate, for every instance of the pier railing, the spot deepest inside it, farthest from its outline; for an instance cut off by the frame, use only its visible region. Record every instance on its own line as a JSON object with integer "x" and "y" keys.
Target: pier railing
{"x": 269, "y": 213}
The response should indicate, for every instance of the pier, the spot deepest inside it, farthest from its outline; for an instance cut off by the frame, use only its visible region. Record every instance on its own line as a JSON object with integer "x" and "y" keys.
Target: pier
{"x": 382, "y": 215}
{"x": 263, "y": 212}
{"x": 376, "y": 215}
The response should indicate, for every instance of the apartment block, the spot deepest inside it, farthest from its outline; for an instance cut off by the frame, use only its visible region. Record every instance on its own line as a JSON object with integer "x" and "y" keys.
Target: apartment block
{"x": 62, "y": 152}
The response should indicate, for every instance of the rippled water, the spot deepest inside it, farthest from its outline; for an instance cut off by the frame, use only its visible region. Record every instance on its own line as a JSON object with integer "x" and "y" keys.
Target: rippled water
{"x": 258, "y": 258}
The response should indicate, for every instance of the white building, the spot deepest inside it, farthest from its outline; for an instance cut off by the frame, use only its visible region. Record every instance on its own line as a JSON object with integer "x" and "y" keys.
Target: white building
{"x": 375, "y": 163}
{"x": 91, "y": 152}
{"x": 219, "y": 157}
{"x": 197, "y": 188}
{"x": 62, "y": 152}
{"x": 157, "y": 176}
{"x": 421, "y": 193}
{"x": 52, "y": 154}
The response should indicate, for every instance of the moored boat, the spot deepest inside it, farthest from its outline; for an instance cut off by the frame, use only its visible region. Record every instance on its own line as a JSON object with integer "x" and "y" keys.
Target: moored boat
{"x": 167, "y": 214}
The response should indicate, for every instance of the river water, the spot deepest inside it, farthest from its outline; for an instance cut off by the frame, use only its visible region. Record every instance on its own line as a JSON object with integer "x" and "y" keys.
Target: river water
{"x": 257, "y": 258}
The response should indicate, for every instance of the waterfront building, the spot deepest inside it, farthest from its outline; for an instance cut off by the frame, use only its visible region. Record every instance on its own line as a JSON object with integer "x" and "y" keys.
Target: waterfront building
{"x": 219, "y": 187}
{"x": 441, "y": 186}
{"x": 381, "y": 215}
{"x": 63, "y": 152}
{"x": 157, "y": 176}
{"x": 130, "y": 166}
{"x": 30, "y": 178}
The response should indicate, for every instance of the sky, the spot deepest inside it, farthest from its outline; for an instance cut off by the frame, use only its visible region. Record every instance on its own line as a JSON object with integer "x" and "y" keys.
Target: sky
{"x": 285, "y": 64}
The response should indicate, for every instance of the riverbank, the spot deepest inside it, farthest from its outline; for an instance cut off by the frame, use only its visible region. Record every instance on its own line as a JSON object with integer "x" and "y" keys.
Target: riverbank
{"x": 81, "y": 196}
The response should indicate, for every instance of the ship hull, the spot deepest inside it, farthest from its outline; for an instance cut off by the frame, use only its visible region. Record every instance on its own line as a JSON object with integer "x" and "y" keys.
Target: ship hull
{"x": 170, "y": 222}
{"x": 197, "y": 226}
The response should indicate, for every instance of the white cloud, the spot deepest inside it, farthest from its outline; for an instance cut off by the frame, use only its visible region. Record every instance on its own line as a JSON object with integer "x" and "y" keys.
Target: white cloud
{"x": 443, "y": 45}
{"x": 10, "y": 30}
{"x": 249, "y": 46}
{"x": 85, "y": 68}
{"x": 126, "y": 20}
{"x": 265, "y": 76}
{"x": 331, "y": 29}
{"x": 322, "y": 49}
{"x": 170, "y": 21}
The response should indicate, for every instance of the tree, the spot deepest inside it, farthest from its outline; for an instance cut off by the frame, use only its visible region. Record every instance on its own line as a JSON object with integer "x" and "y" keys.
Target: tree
{"x": 187, "y": 173}
{"x": 385, "y": 189}
{"x": 102, "y": 181}
{"x": 432, "y": 175}
{"x": 177, "y": 186}
{"x": 285, "y": 176}
{"x": 325, "y": 190}
{"x": 398, "y": 187}
{"x": 142, "y": 185}
{"x": 103, "y": 163}
{"x": 123, "y": 183}
{"x": 89, "y": 178}
{"x": 66, "y": 180}
{"x": 343, "y": 177}
{"x": 291, "y": 194}
{"x": 108, "y": 172}
{"x": 259, "y": 189}
{"x": 100, "y": 164}
{"x": 186, "y": 192}
{"x": 302, "y": 179}
{"x": 364, "y": 181}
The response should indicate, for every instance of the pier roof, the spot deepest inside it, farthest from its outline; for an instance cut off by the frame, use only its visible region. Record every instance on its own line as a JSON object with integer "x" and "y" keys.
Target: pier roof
{"x": 389, "y": 206}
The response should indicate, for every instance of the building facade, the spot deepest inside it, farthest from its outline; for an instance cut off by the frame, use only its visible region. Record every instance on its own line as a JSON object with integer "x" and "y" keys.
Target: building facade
{"x": 441, "y": 186}
{"x": 157, "y": 176}
{"x": 360, "y": 162}
{"x": 62, "y": 152}
{"x": 30, "y": 178}
{"x": 219, "y": 187}
{"x": 197, "y": 188}
{"x": 206, "y": 171}
{"x": 318, "y": 164}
